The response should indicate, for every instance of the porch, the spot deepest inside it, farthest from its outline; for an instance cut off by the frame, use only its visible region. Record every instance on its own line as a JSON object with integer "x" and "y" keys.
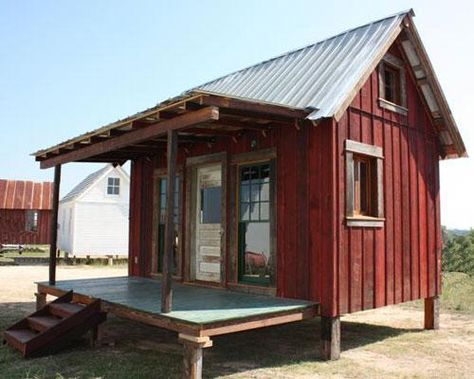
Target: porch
{"x": 198, "y": 312}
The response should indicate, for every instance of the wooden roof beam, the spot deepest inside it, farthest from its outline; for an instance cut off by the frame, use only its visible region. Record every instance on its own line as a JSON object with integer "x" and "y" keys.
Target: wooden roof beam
{"x": 213, "y": 132}
{"x": 186, "y": 120}
{"x": 249, "y": 106}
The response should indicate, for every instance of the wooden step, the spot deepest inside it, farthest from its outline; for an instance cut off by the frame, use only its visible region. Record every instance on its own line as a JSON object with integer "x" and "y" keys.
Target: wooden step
{"x": 19, "y": 337}
{"x": 64, "y": 309}
{"x": 42, "y": 323}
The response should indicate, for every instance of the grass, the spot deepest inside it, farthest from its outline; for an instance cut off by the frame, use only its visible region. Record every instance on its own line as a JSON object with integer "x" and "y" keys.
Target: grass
{"x": 370, "y": 349}
{"x": 457, "y": 295}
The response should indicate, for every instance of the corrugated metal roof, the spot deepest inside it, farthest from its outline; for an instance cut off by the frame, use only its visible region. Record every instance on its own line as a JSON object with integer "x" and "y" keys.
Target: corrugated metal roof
{"x": 317, "y": 77}
{"x": 85, "y": 184}
{"x": 22, "y": 194}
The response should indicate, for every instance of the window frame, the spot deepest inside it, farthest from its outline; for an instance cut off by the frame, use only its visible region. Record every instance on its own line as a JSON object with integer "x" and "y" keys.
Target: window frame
{"x": 113, "y": 186}
{"x": 31, "y": 220}
{"x": 394, "y": 64}
{"x": 355, "y": 151}
{"x": 158, "y": 226}
{"x": 241, "y": 278}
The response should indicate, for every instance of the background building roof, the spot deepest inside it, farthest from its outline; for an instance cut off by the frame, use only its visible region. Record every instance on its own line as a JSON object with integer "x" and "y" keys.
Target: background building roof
{"x": 22, "y": 194}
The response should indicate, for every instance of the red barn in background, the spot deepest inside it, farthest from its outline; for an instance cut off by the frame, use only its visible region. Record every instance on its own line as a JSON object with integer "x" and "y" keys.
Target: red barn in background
{"x": 25, "y": 212}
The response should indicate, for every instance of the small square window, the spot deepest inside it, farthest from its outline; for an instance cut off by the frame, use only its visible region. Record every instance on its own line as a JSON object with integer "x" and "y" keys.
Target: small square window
{"x": 113, "y": 186}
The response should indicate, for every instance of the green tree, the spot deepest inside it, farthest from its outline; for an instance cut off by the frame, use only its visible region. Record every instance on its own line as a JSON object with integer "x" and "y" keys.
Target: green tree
{"x": 458, "y": 252}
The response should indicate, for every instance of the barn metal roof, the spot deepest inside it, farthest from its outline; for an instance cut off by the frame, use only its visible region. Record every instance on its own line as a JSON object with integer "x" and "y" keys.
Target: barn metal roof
{"x": 318, "y": 76}
{"x": 22, "y": 194}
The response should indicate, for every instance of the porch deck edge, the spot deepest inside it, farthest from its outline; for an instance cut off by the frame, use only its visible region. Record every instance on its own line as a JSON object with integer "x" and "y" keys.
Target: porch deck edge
{"x": 192, "y": 328}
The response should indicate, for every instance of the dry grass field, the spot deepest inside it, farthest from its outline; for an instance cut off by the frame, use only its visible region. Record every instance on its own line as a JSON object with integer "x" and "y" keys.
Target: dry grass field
{"x": 383, "y": 343}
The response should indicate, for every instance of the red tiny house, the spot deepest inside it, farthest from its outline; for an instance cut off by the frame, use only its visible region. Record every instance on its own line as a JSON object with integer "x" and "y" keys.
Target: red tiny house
{"x": 311, "y": 176}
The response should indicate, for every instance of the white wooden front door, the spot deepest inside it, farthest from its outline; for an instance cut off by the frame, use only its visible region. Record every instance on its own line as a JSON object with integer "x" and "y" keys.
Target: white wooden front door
{"x": 208, "y": 223}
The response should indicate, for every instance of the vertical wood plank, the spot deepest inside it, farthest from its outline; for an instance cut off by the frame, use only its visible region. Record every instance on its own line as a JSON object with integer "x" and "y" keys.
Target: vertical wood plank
{"x": 405, "y": 216}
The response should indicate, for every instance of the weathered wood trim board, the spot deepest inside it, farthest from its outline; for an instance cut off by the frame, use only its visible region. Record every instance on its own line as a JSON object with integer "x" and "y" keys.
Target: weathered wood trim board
{"x": 197, "y": 311}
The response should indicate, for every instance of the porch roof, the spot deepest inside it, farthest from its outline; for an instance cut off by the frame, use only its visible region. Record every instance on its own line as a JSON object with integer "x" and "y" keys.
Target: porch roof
{"x": 197, "y": 117}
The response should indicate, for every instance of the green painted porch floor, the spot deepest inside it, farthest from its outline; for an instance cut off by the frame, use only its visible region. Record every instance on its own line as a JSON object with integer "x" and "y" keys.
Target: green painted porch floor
{"x": 193, "y": 304}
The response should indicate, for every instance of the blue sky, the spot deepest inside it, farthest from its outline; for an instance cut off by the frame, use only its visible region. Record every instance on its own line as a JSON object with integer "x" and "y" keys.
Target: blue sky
{"x": 67, "y": 67}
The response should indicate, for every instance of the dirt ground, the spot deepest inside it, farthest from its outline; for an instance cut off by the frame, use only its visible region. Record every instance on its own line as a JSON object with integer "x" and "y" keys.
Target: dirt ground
{"x": 387, "y": 342}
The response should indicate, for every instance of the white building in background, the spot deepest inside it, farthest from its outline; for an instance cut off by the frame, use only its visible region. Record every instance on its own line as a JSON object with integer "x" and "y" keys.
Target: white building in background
{"x": 93, "y": 217}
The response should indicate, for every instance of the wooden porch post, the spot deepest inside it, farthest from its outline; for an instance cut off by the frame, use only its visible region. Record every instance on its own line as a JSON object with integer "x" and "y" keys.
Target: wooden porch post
{"x": 432, "y": 313}
{"x": 54, "y": 226}
{"x": 167, "y": 271}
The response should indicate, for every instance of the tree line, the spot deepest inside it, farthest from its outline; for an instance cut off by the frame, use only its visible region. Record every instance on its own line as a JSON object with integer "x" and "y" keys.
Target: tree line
{"x": 458, "y": 251}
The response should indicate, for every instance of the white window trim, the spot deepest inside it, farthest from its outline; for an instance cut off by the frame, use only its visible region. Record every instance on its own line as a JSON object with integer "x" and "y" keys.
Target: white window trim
{"x": 112, "y": 186}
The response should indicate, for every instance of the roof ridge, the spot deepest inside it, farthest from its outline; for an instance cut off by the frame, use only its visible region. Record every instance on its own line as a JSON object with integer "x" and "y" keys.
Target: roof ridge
{"x": 293, "y": 51}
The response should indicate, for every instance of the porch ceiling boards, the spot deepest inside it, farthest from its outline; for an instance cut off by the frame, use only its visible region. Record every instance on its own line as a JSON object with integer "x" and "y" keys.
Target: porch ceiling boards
{"x": 197, "y": 119}
{"x": 196, "y": 310}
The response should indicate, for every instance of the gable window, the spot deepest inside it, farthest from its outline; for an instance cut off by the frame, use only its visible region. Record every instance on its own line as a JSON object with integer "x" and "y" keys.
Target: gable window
{"x": 392, "y": 86}
{"x": 364, "y": 184}
{"x": 31, "y": 221}
{"x": 113, "y": 186}
{"x": 392, "y": 83}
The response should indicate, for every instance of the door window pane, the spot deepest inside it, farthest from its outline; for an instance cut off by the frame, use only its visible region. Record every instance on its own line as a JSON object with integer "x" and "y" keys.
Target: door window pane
{"x": 211, "y": 205}
{"x": 256, "y": 250}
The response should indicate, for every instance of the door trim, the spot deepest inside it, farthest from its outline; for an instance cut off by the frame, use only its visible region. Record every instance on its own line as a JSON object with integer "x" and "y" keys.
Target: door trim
{"x": 192, "y": 164}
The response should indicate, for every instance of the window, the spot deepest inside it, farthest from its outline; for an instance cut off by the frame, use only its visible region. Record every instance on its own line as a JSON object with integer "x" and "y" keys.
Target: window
{"x": 161, "y": 225}
{"x": 113, "y": 186}
{"x": 362, "y": 186}
{"x": 254, "y": 230}
{"x": 31, "y": 221}
{"x": 364, "y": 181}
{"x": 392, "y": 86}
{"x": 211, "y": 205}
{"x": 392, "y": 83}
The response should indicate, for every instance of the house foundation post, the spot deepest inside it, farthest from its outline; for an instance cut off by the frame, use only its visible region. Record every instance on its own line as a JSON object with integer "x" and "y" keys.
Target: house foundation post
{"x": 330, "y": 338}
{"x": 54, "y": 226}
{"x": 192, "y": 355}
{"x": 432, "y": 313}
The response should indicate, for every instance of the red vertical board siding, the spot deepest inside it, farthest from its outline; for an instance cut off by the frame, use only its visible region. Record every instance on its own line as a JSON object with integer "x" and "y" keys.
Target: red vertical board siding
{"x": 343, "y": 243}
{"x": 379, "y": 236}
{"x": 414, "y": 224}
{"x": 402, "y": 260}
{"x": 13, "y": 227}
{"x": 405, "y": 215}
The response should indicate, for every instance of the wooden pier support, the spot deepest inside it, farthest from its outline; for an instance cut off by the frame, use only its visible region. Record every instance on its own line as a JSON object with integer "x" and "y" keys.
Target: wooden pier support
{"x": 432, "y": 313}
{"x": 192, "y": 355}
{"x": 40, "y": 300}
{"x": 330, "y": 338}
